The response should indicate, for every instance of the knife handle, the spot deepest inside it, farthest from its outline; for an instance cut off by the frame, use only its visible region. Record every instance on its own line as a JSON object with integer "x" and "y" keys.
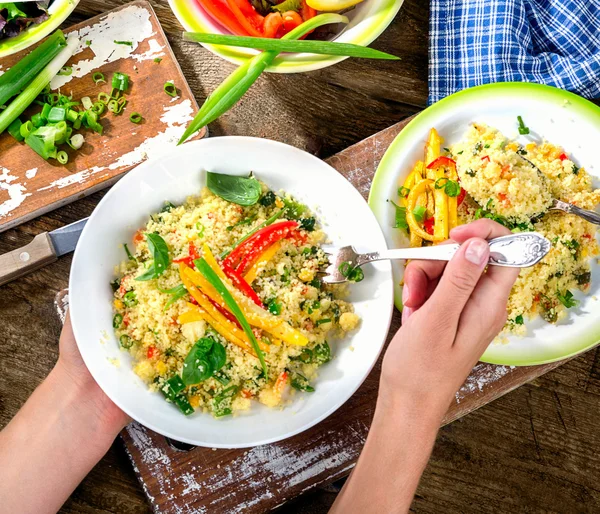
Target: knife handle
{"x": 24, "y": 260}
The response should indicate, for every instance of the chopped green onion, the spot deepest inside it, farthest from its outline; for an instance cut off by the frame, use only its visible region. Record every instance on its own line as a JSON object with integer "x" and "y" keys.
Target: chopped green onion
{"x": 37, "y": 120}
{"x": 35, "y": 87}
{"x": 128, "y": 43}
{"x": 87, "y": 103}
{"x": 66, "y": 71}
{"x": 98, "y": 77}
{"x": 115, "y": 93}
{"x": 14, "y": 129}
{"x": 120, "y": 81}
{"x": 72, "y": 115}
{"x": 323, "y": 321}
{"x": 103, "y": 97}
{"x": 17, "y": 77}
{"x": 42, "y": 141}
{"x": 281, "y": 45}
{"x": 170, "y": 89}
{"x": 26, "y": 129}
{"x": 76, "y": 142}
{"x": 523, "y": 129}
{"x": 235, "y": 85}
{"x": 126, "y": 341}
{"x": 60, "y": 132}
{"x": 117, "y": 320}
{"x": 135, "y": 117}
{"x": 403, "y": 192}
{"x": 157, "y": 60}
{"x": 88, "y": 42}
{"x": 419, "y": 213}
{"x": 46, "y": 110}
{"x": 62, "y": 157}
{"x": 98, "y": 108}
{"x": 450, "y": 187}
{"x": 57, "y": 114}
{"x": 53, "y": 98}
{"x": 113, "y": 106}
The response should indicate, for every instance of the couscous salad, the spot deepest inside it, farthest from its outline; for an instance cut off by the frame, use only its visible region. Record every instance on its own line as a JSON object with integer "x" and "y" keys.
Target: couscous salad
{"x": 488, "y": 175}
{"x": 219, "y": 302}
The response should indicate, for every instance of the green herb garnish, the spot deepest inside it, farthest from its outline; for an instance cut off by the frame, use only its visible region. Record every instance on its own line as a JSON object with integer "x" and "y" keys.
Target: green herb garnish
{"x": 233, "y": 188}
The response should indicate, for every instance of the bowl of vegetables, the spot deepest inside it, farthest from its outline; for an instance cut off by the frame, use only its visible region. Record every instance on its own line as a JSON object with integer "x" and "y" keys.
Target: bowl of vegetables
{"x": 23, "y": 24}
{"x": 274, "y": 18}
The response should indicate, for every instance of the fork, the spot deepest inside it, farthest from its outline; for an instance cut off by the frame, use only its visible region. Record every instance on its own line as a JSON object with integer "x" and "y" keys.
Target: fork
{"x": 520, "y": 250}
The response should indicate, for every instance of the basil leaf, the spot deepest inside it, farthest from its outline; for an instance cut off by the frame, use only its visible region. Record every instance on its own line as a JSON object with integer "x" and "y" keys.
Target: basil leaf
{"x": 205, "y": 345}
{"x": 196, "y": 367}
{"x": 322, "y": 353}
{"x": 239, "y": 190}
{"x": 160, "y": 256}
{"x": 217, "y": 357}
{"x": 301, "y": 383}
{"x": 400, "y": 219}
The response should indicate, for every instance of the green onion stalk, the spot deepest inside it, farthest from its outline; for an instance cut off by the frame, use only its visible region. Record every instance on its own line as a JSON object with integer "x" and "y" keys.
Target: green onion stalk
{"x": 36, "y": 86}
{"x": 235, "y": 86}
{"x": 282, "y": 45}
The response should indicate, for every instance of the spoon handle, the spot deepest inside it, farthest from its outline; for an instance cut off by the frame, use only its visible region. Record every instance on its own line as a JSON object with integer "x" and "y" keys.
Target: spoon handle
{"x": 590, "y": 216}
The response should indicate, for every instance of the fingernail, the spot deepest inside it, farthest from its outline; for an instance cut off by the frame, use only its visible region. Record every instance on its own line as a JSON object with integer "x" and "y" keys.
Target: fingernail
{"x": 477, "y": 252}
{"x": 406, "y": 313}
{"x": 405, "y": 293}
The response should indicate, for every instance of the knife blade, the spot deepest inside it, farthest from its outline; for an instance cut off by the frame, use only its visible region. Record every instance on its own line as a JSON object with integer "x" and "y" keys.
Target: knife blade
{"x": 45, "y": 248}
{"x": 65, "y": 239}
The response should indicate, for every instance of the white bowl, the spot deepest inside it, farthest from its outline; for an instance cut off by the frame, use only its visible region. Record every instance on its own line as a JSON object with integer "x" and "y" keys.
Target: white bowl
{"x": 173, "y": 177}
{"x": 367, "y": 21}
{"x": 553, "y": 114}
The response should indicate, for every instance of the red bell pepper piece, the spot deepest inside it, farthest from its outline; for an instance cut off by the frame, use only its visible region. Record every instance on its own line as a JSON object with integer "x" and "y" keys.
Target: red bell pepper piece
{"x": 486, "y": 158}
{"x": 241, "y": 284}
{"x": 428, "y": 225}
{"x": 306, "y": 11}
{"x": 441, "y": 161}
{"x": 151, "y": 352}
{"x": 192, "y": 256}
{"x": 461, "y": 196}
{"x": 225, "y": 312}
{"x": 563, "y": 157}
{"x": 247, "y": 17}
{"x": 218, "y": 11}
{"x": 252, "y": 247}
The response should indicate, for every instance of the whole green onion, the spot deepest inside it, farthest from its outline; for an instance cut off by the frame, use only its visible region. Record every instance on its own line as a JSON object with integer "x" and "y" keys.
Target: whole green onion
{"x": 35, "y": 87}
{"x": 282, "y": 45}
{"x": 235, "y": 86}
{"x": 18, "y": 76}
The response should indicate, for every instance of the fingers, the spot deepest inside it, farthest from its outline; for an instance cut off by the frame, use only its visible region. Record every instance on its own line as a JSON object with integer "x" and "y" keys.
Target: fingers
{"x": 419, "y": 277}
{"x": 458, "y": 282}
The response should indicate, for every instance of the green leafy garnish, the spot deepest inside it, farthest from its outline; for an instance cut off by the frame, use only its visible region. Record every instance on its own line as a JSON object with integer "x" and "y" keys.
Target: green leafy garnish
{"x": 205, "y": 359}
{"x": 176, "y": 293}
{"x": 400, "y": 219}
{"x": 419, "y": 213}
{"x": 301, "y": 383}
{"x": 519, "y": 320}
{"x": 523, "y": 129}
{"x": 567, "y": 299}
{"x": 160, "y": 256}
{"x": 403, "y": 192}
{"x": 235, "y": 189}
{"x": 129, "y": 254}
{"x": 450, "y": 187}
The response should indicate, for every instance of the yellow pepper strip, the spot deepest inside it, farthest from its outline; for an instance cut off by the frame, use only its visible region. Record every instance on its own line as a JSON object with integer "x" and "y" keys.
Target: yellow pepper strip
{"x": 414, "y": 177}
{"x": 413, "y": 197}
{"x": 212, "y": 262}
{"x": 197, "y": 314}
{"x": 432, "y": 152}
{"x": 452, "y": 202}
{"x": 263, "y": 258}
{"x": 256, "y": 316}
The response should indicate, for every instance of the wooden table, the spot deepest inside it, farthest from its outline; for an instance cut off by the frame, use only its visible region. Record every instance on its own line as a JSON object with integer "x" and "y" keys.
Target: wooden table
{"x": 532, "y": 450}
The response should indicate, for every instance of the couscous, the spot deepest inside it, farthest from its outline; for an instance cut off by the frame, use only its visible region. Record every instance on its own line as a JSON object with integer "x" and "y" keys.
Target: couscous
{"x": 488, "y": 175}
{"x": 219, "y": 302}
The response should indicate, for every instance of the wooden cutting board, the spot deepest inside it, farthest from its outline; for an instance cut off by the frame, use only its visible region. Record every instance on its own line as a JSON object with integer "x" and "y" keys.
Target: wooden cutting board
{"x": 178, "y": 478}
{"x": 31, "y": 186}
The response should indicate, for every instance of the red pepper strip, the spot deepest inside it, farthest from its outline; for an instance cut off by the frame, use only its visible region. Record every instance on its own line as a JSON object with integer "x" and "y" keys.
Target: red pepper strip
{"x": 247, "y": 17}
{"x": 192, "y": 256}
{"x": 428, "y": 225}
{"x": 281, "y": 229}
{"x": 225, "y": 312}
{"x": 486, "y": 158}
{"x": 253, "y": 253}
{"x": 241, "y": 284}
{"x": 563, "y": 157}
{"x": 219, "y": 11}
{"x": 441, "y": 161}
{"x": 461, "y": 196}
{"x": 151, "y": 352}
{"x": 306, "y": 11}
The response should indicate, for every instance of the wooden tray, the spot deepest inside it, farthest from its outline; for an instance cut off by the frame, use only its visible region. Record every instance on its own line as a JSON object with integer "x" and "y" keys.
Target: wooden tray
{"x": 179, "y": 479}
{"x": 31, "y": 186}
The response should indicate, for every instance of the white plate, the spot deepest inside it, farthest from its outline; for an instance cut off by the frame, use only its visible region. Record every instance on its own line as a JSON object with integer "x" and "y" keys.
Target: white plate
{"x": 173, "y": 177}
{"x": 561, "y": 118}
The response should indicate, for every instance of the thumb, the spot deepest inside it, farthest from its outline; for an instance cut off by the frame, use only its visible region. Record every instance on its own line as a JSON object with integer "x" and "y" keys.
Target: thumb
{"x": 458, "y": 282}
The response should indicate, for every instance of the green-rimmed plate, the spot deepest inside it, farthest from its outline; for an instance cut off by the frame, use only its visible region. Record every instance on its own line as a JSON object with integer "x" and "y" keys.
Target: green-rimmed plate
{"x": 367, "y": 21}
{"x": 58, "y": 12}
{"x": 558, "y": 116}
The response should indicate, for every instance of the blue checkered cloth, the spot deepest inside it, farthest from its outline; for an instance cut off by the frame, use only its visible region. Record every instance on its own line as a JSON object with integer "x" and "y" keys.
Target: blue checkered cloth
{"x": 473, "y": 42}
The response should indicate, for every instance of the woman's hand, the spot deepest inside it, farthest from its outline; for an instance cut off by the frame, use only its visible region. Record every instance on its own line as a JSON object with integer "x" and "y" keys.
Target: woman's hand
{"x": 451, "y": 313}
{"x": 57, "y": 437}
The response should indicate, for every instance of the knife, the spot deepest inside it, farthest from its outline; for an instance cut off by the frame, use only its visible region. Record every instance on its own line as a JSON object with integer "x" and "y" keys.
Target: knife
{"x": 45, "y": 248}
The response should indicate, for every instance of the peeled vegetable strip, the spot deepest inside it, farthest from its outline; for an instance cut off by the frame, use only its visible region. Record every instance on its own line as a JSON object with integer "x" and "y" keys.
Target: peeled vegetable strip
{"x": 413, "y": 197}
{"x": 432, "y": 152}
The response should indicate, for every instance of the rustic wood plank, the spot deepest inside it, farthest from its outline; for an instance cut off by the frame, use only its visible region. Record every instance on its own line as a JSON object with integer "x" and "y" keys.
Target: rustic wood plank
{"x": 46, "y": 185}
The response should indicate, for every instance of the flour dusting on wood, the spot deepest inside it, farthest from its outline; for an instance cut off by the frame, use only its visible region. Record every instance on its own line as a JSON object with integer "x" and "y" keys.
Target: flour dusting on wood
{"x": 482, "y": 376}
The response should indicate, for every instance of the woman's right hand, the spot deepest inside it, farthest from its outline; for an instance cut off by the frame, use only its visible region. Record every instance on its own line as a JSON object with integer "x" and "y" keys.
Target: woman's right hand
{"x": 452, "y": 311}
